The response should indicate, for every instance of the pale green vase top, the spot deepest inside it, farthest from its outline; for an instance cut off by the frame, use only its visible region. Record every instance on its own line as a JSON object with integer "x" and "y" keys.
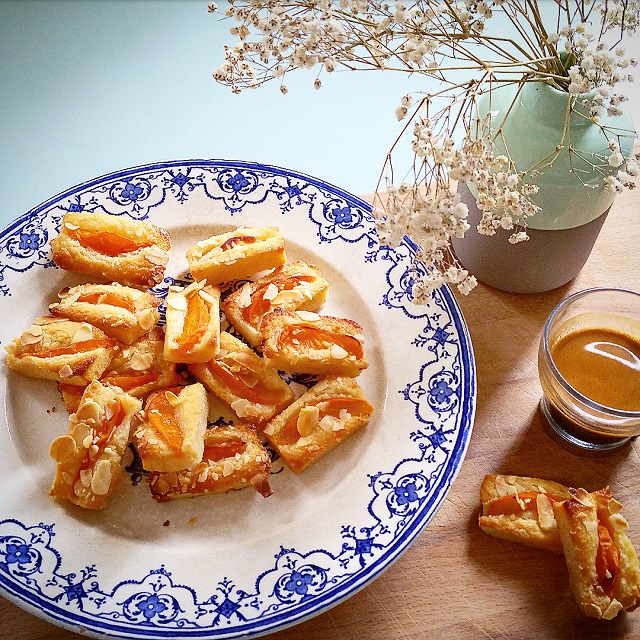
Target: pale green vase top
{"x": 571, "y": 190}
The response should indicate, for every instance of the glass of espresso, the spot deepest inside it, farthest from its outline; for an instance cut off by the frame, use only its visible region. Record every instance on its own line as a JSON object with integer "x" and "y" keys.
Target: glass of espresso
{"x": 589, "y": 367}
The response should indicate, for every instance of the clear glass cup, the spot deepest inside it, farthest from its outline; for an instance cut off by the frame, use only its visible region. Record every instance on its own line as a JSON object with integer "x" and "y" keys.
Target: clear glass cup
{"x": 575, "y": 417}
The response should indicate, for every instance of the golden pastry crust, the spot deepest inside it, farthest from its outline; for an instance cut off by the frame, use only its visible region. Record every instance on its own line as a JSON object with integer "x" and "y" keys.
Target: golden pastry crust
{"x": 243, "y": 381}
{"x": 603, "y": 565}
{"x": 112, "y": 248}
{"x": 192, "y": 332}
{"x": 123, "y": 313}
{"x": 62, "y": 350}
{"x": 293, "y": 286}
{"x": 236, "y": 254}
{"x": 234, "y": 458}
{"x": 520, "y": 509}
{"x": 305, "y": 342}
{"x": 90, "y": 456}
{"x": 170, "y": 437}
{"x": 318, "y": 421}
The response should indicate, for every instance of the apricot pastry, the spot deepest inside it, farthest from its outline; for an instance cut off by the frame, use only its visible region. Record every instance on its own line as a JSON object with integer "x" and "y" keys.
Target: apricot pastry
{"x": 236, "y": 254}
{"x": 123, "y": 313}
{"x": 170, "y": 437}
{"x": 243, "y": 381}
{"x": 604, "y": 571}
{"x": 90, "y": 456}
{"x": 294, "y": 285}
{"x": 233, "y": 458}
{"x": 305, "y": 342}
{"x": 74, "y": 353}
{"x": 318, "y": 421}
{"x": 112, "y": 248}
{"x": 520, "y": 509}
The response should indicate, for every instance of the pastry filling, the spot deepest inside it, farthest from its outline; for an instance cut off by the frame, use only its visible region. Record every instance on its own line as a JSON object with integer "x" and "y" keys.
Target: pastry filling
{"x": 162, "y": 417}
{"x": 607, "y": 560}
{"x": 113, "y": 416}
{"x": 222, "y": 450}
{"x": 517, "y": 503}
{"x": 77, "y": 347}
{"x": 195, "y": 323}
{"x": 236, "y": 241}
{"x": 309, "y": 337}
{"x": 260, "y": 305}
{"x": 109, "y": 298}
{"x": 106, "y": 242}
{"x": 128, "y": 382}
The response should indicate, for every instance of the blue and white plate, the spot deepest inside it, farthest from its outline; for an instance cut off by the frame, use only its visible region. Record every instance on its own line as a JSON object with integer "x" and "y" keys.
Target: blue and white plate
{"x": 234, "y": 565}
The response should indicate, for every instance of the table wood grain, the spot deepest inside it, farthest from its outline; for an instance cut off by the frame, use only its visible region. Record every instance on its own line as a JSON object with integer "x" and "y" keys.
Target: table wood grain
{"x": 455, "y": 581}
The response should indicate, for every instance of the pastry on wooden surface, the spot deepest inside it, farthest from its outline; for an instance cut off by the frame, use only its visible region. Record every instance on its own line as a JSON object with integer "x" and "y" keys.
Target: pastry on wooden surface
{"x": 243, "y": 381}
{"x": 294, "y": 285}
{"x": 318, "y": 421}
{"x": 112, "y": 248}
{"x": 63, "y": 350}
{"x": 90, "y": 456}
{"x": 233, "y": 458}
{"x": 192, "y": 332}
{"x": 170, "y": 437}
{"x": 520, "y": 509}
{"x": 305, "y": 342}
{"x": 122, "y": 312}
{"x": 603, "y": 565}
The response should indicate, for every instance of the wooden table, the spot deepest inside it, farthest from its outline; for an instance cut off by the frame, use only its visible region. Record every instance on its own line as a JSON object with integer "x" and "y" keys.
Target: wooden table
{"x": 455, "y": 581}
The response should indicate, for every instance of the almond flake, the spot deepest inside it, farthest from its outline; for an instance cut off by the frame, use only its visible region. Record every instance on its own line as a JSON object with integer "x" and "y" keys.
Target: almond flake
{"x": 62, "y": 448}
{"x": 146, "y": 319}
{"x": 227, "y": 468}
{"x": 247, "y": 359}
{"x": 89, "y": 410}
{"x": 71, "y": 227}
{"x": 271, "y": 292}
{"x": 85, "y": 477}
{"x": 338, "y": 353}
{"x": 193, "y": 288}
{"x": 618, "y": 522}
{"x": 241, "y": 407}
{"x": 177, "y": 302}
{"x": 327, "y": 422}
{"x": 172, "y": 398}
{"x": 66, "y": 371}
{"x": 545, "y": 512}
{"x": 156, "y": 255}
{"x": 207, "y": 297}
{"x": 304, "y": 441}
{"x": 248, "y": 379}
{"x": 83, "y": 333}
{"x": 141, "y": 361}
{"x": 314, "y": 354}
{"x": 33, "y": 335}
{"x": 269, "y": 430}
{"x": 308, "y": 316}
{"x": 308, "y": 420}
{"x": 291, "y": 296}
{"x": 101, "y": 480}
{"x": 244, "y": 296}
{"x": 344, "y": 415}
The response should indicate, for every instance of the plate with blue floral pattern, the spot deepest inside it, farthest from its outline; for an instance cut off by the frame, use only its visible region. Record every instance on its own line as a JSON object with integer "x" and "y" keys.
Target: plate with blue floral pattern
{"x": 234, "y": 565}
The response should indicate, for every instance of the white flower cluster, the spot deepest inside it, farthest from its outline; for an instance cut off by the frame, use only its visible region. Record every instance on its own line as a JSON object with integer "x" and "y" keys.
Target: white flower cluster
{"x": 435, "y": 38}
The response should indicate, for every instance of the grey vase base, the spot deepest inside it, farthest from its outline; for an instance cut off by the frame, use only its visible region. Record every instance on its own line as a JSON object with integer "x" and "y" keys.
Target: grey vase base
{"x": 548, "y": 260}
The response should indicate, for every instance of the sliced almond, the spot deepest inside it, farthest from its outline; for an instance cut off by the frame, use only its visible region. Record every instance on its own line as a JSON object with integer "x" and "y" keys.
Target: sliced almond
{"x": 101, "y": 480}
{"x": 308, "y": 316}
{"x": 290, "y": 296}
{"x": 85, "y": 477}
{"x": 247, "y": 359}
{"x": 194, "y": 287}
{"x": 244, "y": 297}
{"x": 62, "y": 448}
{"x": 65, "y": 371}
{"x": 270, "y": 292}
{"x": 89, "y": 410}
{"x": 71, "y": 227}
{"x": 269, "y": 430}
{"x": 157, "y": 256}
{"x": 308, "y": 420}
{"x": 33, "y": 335}
{"x": 545, "y": 512}
{"x": 141, "y": 360}
{"x": 338, "y": 353}
{"x": 208, "y": 298}
{"x": 146, "y": 319}
{"x": 83, "y": 333}
{"x": 177, "y": 302}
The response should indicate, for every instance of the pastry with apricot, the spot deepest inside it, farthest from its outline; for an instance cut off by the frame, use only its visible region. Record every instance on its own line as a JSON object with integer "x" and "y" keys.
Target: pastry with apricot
{"x": 520, "y": 509}
{"x": 63, "y": 350}
{"x": 192, "y": 332}
{"x": 305, "y": 342}
{"x": 90, "y": 456}
{"x": 604, "y": 571}
{"x": 243, "y": 381}
{"x": 123, "y": 313}
{"x": 170, "y": 437}
{"x": 233, "y": 458}
{"x": 236, "y": 254}
{"x": 112, "y": 248}
{"x": 293, "y": 286}
{"x": 318, "y": 421}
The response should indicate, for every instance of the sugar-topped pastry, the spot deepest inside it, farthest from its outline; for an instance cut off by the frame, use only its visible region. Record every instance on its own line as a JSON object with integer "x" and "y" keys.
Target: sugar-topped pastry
{"x": 63, "y": 350}
{"x": 192, "y": 332}
{"x": 90, "y": 455}
{"x": 294, "y": 285}
{"x": 604, "y": 571}
{"x": 318, "y": 421}
{"x": 170, "y": 437}
{"x": 242, "y": 380}
{"x": 112, "y": 248}
{"x": 236, "y": 254}
{"x": 520, "y": 509}
{"x": 122, "y": 312}
{"x": 233, "y": 458}
{"x": 305, "y": 342}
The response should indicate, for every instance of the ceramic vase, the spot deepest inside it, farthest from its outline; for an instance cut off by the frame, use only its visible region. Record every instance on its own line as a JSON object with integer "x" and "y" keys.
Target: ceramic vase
{"x": 573, "y": 201}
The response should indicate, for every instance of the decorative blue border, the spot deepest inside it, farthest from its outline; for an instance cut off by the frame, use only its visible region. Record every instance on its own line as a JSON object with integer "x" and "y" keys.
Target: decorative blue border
{"x": 299, "y": 584}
